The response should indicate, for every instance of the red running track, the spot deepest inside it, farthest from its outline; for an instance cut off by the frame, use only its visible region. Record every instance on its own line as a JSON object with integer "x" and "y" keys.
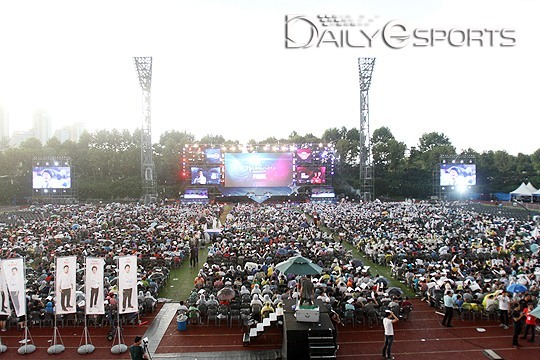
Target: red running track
{"x": 421, "y": 338}
{"x": 71, "y": 338}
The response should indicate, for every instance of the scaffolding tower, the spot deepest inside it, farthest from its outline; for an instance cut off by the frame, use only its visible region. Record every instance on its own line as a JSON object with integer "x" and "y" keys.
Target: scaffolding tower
{"x": 148, "y": 169}
{"x": 367, "y": 188}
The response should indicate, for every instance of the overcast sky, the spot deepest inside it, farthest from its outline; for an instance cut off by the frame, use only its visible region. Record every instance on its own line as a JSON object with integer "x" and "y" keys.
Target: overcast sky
{"x": 221, "y": 67}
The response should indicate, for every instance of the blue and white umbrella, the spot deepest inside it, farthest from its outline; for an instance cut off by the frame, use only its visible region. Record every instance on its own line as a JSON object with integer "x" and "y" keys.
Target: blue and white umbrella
{"x": 516, "y": 288}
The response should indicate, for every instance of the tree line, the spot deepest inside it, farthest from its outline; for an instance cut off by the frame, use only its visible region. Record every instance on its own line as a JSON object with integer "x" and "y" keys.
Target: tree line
{"x": 106, "y": 164}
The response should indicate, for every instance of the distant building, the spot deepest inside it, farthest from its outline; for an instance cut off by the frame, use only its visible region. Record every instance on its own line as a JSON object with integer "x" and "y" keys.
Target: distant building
{"x": 4, "y": 123}
{"x": 42, "y": 126}
{"x": 71, "y": 132}
{"x": 20, "y": 136}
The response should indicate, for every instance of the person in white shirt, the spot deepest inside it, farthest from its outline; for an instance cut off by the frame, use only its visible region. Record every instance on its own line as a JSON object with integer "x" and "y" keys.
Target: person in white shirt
{"x": 504, "y": 303}
{"x": 13, "y": 285}
{"x": 448, "y": 309}
{"x": 200, "y": 179}
{"x": 128, "y": 284}
{"x": 95, "y": 283}
{"x": 388, "y": 324}
{"x": 65, "y": 284}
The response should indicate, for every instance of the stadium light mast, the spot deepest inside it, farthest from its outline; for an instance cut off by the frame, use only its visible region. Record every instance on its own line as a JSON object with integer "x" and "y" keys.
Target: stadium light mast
{"x": 367, "y": 188}
{"x": 148, "y": 169}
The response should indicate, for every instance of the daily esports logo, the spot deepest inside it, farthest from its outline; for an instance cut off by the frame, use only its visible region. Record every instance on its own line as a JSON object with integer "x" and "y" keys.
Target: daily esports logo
{"x": 346, "y": 31}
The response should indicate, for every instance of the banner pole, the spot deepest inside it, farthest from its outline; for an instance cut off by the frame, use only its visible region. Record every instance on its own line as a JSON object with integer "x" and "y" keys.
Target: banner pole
{"x": 56, "y": 348}
{"x": 3, "y": 348}
{"x": 120, "y": 347}
{"x": 87, "y": 348}
{"x": 25, "y": 348}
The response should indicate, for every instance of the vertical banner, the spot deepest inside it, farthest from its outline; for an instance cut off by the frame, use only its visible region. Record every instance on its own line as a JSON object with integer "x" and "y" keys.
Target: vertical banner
{"x": 128, "y": 301}
{"x": 65, "y": 284}
{"x": 13, "y": 270}
{"x": 94, "y": 286}
{"x": 4, "y": 295}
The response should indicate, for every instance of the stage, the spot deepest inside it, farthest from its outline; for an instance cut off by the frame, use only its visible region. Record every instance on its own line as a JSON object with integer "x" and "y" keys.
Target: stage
{"x": 300, "y": 339}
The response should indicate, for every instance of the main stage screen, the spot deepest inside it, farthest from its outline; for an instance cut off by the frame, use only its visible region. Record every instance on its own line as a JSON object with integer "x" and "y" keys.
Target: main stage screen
{"x": 51, "y": 177}
{"x": 258, "y": 169}
{"x": 310, "y": 175}
{"x": 205, "y": 175}
{"x": 458, "y": 174}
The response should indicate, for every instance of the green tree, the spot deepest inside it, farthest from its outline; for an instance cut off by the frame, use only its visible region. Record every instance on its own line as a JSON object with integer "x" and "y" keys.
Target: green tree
{"x": 388, "y": 162}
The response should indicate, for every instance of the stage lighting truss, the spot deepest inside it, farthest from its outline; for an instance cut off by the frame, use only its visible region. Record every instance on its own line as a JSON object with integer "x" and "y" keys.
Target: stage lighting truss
{"x": 458, "y": 159}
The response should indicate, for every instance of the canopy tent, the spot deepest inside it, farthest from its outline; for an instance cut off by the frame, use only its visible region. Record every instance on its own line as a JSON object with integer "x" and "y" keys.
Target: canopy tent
{"x": 522, "y": 191}
{"x": 531, "y": 187}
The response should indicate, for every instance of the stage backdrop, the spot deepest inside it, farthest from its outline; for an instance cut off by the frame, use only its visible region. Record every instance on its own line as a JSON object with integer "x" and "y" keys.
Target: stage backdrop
{"x": 4, "y": 295}
{"x": 258, "y": 169}
{"x": 127, "y": 288}
{"x": 14, "y": 274}
{"x": 94, "y": 303}
{"x": 65, "y": 283}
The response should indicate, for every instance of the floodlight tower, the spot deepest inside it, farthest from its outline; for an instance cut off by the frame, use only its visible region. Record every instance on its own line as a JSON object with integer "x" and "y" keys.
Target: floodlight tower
{"x": 148, "y": 169}
{"x": 367, "y": 188}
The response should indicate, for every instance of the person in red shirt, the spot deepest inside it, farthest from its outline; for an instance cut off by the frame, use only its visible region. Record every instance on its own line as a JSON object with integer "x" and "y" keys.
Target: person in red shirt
{"x": 530, "y": 322}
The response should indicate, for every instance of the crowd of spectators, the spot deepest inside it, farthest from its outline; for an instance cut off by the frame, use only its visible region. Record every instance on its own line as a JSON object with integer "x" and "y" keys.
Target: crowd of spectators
{"x": 257, "y": 237}
{"x": 159, "y": 235}
{"x": 430, "y": 247}
{"x": 434, "y": 248}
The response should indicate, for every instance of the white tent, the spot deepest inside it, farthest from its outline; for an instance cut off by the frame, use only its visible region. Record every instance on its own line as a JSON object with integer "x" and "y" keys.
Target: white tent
{"x": 522, "y": 193}
{"x": 522, "y": 190}
{"x": 531, "y": 187}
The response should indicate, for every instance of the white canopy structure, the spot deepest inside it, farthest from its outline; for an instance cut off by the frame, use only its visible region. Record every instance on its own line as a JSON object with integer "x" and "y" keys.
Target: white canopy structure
{"x": 531, "y": 187}
{"x": 522, "y": 192}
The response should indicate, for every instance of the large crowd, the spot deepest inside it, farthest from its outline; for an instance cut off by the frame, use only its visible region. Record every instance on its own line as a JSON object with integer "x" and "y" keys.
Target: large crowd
{"x": 434, "y": 248}
{"x": 159, "y": 236}
{"x": 431, "y": 248}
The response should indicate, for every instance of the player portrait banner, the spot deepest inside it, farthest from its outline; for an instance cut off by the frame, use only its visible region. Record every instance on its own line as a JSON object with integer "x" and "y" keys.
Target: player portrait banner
{"x": 13, "y": 270}
{"x": 127, "y": 288}
{"x": 4, "y": 295}
{"x": 65, "y": 284}
{"x": 94, "y": 286}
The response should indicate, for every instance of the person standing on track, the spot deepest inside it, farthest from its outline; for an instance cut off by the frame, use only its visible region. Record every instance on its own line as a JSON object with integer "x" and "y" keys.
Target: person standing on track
{"x": 448, "y": 309}
{"x": 388, "y": 324}
{"x": 504, "y": 306}
{"x": 519, "y": 320}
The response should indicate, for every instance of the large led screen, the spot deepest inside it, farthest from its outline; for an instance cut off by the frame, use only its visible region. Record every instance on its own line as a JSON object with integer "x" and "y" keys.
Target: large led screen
{"x": 205, "y": 175}
{"x": 310, "y": 175}
{"x": 213, "y": 156}
{"x": 458, "y": 174}
{"x": 304, "y": 155}
{"x": 51, "y": 177}
{"x": 196, "y": 194}
{"x": 321, "y": 192}
{"x": 258, "y": 169}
